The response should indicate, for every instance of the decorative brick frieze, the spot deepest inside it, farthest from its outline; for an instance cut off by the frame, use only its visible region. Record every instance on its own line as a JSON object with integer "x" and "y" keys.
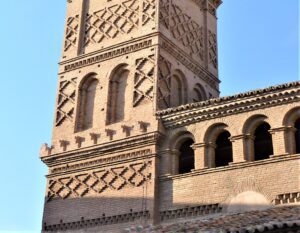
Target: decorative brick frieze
{"x": 112, "y": 53}
{"x": 190, "y": 212}
{"x": 103, "y": 161}
{"x": 98, "y": 222}
{"x": 104, "y": 149}
{"x": 287, "y": 198}
{"x": 100, "y": 180}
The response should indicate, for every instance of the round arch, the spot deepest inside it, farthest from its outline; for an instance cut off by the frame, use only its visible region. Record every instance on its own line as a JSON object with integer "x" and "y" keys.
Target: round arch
{"x": 117, "y": 91}
{"x": 291, "y": 121}
{"x": 88, "y": 92}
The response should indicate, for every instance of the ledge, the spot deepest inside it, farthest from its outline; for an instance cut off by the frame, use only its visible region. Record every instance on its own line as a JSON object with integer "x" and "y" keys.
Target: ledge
{"x": 233, "y": 166}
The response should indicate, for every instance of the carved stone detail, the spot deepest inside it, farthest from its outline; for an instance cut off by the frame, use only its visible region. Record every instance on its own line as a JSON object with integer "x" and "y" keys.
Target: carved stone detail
{"x": 66, "y": 101}
{"x": 98, "y": 181}
{"x": 183, "y": 28}
{"x": 144, "y": 80}
{"x": 71, "y": 32}
{"x": 212, "y": 49}
{"x": 111, "y": 22}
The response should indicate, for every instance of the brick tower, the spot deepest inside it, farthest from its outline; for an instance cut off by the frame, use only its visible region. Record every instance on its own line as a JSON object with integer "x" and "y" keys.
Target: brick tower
{"x": 122, "y": 61}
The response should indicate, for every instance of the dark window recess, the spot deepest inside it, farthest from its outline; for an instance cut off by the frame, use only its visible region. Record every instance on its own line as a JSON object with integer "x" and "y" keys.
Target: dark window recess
{"x": 223, "y": 153}
{"x": 297, "y": 136}
{"x": 186, "y": 157}
{"x": 263, "y": 146}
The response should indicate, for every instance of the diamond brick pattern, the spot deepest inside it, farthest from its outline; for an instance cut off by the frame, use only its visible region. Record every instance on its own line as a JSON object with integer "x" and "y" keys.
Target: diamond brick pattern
{"x": 164, "y": 83}
{"x": 183, "y": 28}
{"x": 71, "y": 32}
{"x": 111, "y": 22}
{"x": 148, "y": 12}
{"x": 93, "y": 183}
{"x": 66, "y": 101}
{"x": 212, "y": 48}
{"x": 144, "y": 80}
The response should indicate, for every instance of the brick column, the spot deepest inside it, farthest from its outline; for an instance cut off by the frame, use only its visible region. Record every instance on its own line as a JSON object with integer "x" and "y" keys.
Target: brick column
{"x": 238, "y": 148}
{"x": 166, "y": 162}
{"x": 211, "y": 155}
{"x": 200, "y": 158}
{"x": 175, "y": 161}
{"x": 279, "y": 140}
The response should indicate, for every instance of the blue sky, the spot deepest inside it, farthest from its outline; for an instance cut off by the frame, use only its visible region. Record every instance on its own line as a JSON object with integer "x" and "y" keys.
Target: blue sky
{"x": 258, "y": 47}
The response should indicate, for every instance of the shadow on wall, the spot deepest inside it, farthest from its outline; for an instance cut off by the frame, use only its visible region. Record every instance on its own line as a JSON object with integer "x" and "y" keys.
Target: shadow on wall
{"x": 115, "y": 213}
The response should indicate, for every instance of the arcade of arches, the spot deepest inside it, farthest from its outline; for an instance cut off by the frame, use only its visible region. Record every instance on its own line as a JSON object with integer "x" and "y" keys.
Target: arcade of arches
{"x": 261, "y": 144}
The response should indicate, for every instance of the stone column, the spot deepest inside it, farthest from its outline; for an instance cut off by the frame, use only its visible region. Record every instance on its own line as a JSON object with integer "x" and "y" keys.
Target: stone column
{"x": 279, "y": 140}
{"x": 238, "y": 148}
{"x": 200, "y": 157}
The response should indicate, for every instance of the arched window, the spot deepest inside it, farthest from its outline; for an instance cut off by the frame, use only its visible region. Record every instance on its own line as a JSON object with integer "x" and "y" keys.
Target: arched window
{"x": 117, "y": 93}
{"x": 186, "y": 157}
{"x": 263, "y": 145}
{"x": 199, "y": 93}
{"x": 178, "y": 89}
{"x": 223, "y": 154}
{"x": 88, "y": 94}
{"x": 297, "y": 136}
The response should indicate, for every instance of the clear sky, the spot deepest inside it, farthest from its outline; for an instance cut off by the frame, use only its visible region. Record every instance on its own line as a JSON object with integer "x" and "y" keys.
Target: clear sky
{"x": 258, "y": 47}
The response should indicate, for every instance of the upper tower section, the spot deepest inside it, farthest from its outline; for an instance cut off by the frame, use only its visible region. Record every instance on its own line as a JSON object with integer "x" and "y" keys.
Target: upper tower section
{"x": 191, "y": 25}
{"x": 123, "y": 60}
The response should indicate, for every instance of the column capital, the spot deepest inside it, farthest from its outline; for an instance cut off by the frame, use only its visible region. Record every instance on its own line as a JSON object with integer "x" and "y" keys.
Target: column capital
{"x": 282, "y": 129}
{"x": 241, "y": 137}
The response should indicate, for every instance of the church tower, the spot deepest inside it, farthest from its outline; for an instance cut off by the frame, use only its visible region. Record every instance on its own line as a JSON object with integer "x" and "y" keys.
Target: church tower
{"x": 122, "y": 61}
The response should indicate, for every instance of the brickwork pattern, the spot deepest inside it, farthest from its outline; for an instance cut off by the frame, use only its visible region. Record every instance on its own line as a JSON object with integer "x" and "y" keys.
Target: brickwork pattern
{"x": 112, "y": 22}
{"x": 71, "y": 32}
{"x": 183, "y": 28}
{"x": 144, "y": 80}
{"x": 66, "y": 101}
{"x": 98, "y": 181}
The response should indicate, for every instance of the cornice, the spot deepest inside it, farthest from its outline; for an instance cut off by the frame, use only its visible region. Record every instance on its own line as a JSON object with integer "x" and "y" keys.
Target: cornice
{"x": 220, "y": 107}
{"x": 117, "y": 146}
{"x": 110, "y": 52}
{"x": 232, "y": 166}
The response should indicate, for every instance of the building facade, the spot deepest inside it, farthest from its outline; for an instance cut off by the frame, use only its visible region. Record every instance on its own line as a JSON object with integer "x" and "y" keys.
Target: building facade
{"x": 141, "y": 135}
